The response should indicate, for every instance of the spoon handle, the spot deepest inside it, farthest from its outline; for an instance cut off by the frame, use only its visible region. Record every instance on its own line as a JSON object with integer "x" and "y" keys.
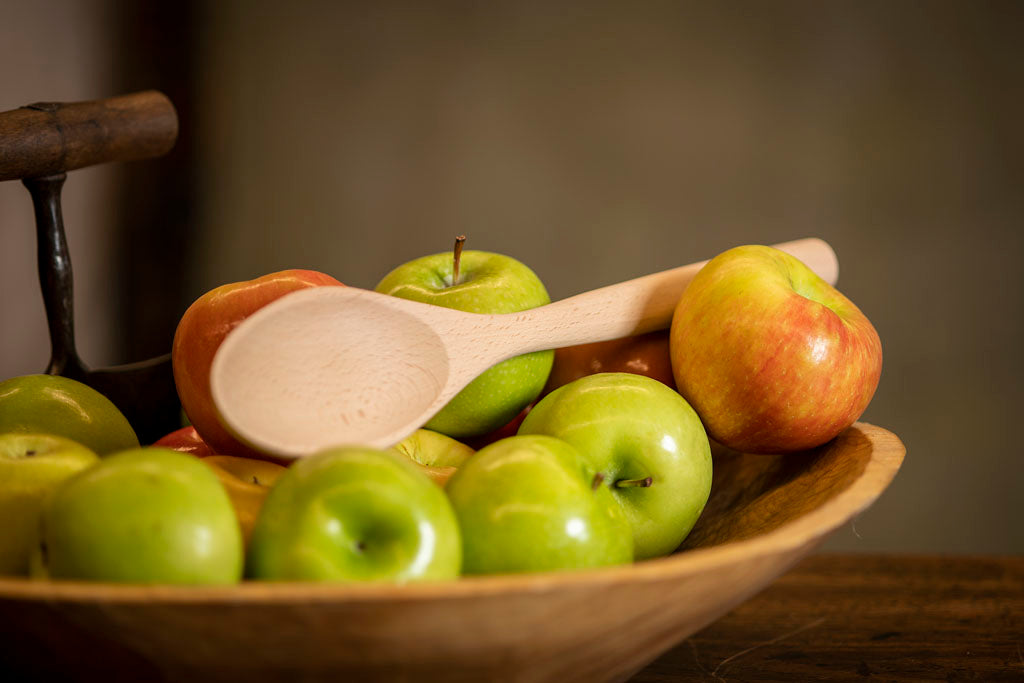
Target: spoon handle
{"x": 637, "y": 306}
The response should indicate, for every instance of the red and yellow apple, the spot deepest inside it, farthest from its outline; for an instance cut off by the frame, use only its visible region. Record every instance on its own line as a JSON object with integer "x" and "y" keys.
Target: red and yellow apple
{"x": 772, "y": 357}
{"x": 202, "y": 329}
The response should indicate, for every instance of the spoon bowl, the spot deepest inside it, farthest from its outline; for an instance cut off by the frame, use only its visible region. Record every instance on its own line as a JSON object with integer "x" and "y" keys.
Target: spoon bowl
{"x": 322, "y": 361}
{"x": 330, "y": 366}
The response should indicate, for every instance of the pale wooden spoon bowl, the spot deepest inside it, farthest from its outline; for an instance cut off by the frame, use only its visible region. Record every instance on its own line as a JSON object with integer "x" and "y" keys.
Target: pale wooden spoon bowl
{"x": 329, "y": 366}
{"x": 764, "y": 514}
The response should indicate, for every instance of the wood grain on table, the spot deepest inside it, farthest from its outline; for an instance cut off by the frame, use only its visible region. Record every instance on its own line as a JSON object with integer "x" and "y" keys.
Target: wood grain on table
{"x": 866, "y": 617}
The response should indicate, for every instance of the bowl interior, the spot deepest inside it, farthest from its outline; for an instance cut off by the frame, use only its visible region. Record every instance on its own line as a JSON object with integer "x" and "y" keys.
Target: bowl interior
{"x": 752, "y": 495}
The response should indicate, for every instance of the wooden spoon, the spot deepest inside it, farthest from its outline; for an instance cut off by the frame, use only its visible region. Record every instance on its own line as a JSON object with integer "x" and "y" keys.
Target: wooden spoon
{"x": 329, "y": 366}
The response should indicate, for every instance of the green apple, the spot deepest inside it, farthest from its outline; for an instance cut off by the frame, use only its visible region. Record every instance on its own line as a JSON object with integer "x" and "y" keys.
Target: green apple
{"x": 772, "y": 357}
{"x": 355, "y": 514}
{"x": 51, "y": 404}
{"x": 32, "y": 466}
{"x": 438, "y": 455}
{"x": 646, "y": 441}
{"x": 146, "y": 515}
{"x": 534, "y": 503}
{"x": 487, "y": 283}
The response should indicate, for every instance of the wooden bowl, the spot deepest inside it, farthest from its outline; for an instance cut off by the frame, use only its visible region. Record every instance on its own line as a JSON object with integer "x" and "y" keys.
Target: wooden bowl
{"x": 765, "y": 513}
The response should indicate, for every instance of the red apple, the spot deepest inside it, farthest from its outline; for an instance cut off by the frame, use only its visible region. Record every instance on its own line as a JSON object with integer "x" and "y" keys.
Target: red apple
{"x": 186, "y": 440}
{"x": 772, "y": 357}
{"x": 200, "y": 333}
{"x": 511, "y": 428}
{"x": 644, "y": 354}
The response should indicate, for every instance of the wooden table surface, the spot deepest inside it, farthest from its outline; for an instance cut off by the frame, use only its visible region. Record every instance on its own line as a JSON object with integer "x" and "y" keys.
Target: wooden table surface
{"x": 866, "y": 617}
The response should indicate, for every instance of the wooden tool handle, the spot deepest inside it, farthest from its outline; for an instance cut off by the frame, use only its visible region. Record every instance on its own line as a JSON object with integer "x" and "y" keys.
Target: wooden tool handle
{"x": 52, "y": 137}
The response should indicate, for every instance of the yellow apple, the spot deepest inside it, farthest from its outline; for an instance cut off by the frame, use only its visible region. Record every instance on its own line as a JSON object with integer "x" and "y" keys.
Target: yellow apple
{"x": 247, "y": 482}
{"x": 438, "y": 455}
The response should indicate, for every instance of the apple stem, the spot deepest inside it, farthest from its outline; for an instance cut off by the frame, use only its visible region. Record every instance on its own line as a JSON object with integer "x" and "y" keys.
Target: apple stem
{"x": 457, "y": 258}
{"x": 598, "y": 478}
{"x": 628, "y": 483}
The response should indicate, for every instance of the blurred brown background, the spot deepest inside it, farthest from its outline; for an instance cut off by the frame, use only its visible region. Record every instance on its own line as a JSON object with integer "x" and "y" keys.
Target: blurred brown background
{"x": 594, "y": 141}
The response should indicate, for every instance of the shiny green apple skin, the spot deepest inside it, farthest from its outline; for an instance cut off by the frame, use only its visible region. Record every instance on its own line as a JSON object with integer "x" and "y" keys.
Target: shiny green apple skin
{"x": 32, "y": 467}
{"x": 51, "y": 404}
{"x": 630, "y": 427}
{"x": 529, "y": 504}
{"x": 146, "y": 515}
{"x": 488, "y": 283}
{"x": 355, "y": 514}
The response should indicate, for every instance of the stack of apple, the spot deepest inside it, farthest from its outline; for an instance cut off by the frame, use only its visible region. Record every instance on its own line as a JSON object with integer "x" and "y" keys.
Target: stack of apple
{"x": 582, "y": 457}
